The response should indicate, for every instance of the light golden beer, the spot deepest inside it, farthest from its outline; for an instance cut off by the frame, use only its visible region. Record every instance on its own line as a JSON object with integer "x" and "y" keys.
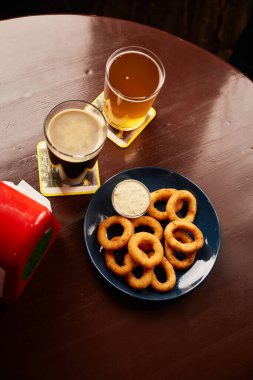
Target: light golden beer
{"x": 133, "y": 79}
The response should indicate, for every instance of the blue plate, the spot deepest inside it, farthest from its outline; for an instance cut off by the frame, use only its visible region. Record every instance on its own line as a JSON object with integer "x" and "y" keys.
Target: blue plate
{"x": 154, "y": 178}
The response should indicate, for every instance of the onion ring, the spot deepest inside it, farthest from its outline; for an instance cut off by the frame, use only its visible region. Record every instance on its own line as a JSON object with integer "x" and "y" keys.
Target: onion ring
{"x": 119, "y": 270}
{"x": 172, "y": 203}
{"x": 150, "y": 222}
{"x": 197, "y": 243}
{"x": 170, "y": 274}
{"x": 170, "y": 252}
{"x": 142, "y": 282}
{"x": 139, "y": 256}
{"x": 153, "y": 224}
{"x": 123, "y": 239}
{"x": 160, "y": 195}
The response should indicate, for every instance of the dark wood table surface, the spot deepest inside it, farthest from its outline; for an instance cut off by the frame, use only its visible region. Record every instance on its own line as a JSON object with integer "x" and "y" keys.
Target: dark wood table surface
{"x": 70, "y": 323}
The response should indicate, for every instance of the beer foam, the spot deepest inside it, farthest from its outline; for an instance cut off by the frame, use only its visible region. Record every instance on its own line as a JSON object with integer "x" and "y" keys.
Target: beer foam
{"x": 75, "y": 132}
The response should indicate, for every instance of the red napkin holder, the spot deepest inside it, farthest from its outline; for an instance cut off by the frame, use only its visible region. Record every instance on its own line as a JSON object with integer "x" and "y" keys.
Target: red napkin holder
{"x": 27, "y": 231}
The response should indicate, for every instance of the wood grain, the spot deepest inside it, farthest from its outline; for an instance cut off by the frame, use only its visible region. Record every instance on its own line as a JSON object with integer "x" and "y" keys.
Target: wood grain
{"x": 69, "y": 323}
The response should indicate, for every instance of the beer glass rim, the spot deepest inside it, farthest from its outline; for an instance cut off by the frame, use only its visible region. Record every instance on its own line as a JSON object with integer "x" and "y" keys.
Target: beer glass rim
{"x": 84, "y": 102}
{"x": 150, "y": 55}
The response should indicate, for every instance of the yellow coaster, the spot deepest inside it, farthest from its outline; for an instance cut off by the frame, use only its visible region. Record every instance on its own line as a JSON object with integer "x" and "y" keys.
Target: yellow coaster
{"x": 50, "y": 182}
{"x": 120, "y": 138}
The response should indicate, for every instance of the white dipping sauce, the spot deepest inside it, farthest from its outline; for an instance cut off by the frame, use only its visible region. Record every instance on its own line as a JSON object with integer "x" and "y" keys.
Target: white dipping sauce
{"x": 130, "y": 198}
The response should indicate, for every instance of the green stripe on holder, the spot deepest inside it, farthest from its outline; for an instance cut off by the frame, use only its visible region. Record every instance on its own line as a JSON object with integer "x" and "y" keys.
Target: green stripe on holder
{"x": 37, "y": 254}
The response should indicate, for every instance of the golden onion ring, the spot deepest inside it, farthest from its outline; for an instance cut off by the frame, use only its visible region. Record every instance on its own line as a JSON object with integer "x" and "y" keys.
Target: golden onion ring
{"x": 128, "y": 231}
{"x": 182, "y": 195}
{"x": 139, "y": 256}
{"x": 170, "y": 252}
{"x": 197, "y": 243}
{"x": 141, "y": 282}
{"x": 160, "y": 195}
{"x": 110, "y": 261}
{"x": 170, "y": 274}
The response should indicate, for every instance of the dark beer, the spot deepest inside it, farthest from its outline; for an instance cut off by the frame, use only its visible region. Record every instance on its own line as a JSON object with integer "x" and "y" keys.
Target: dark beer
{"x": 75, "y": 138}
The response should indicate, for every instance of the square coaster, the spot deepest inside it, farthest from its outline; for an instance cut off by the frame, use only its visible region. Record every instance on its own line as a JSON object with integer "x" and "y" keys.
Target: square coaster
{"x": 50, "y": 182}
{"x": 123, "y": 138}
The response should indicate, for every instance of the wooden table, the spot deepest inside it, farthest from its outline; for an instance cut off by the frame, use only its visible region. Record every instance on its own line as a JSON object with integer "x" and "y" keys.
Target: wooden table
{"x": 69, "y": 323}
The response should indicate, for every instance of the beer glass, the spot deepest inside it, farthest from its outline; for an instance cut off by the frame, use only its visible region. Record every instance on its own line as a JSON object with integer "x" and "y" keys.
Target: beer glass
{"x": 133, "y": 78}
{"x": 75, "y": 132}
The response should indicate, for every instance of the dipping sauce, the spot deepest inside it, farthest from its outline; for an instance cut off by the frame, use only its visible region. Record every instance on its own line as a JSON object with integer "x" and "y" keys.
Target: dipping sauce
{"x": 130, "y": 198}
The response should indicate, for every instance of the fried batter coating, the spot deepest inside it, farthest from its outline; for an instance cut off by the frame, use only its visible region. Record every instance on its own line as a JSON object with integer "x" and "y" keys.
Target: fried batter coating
{"x": 170, "y": 252}
{"x": 197, "y": 243}
{"x": 170, "y": 274}
{"x": 139, "y": 256}
{"x": 141, "y": 282}
{"x": 123, "y": 239}
{"x": 160, "y": 195}
{"x": 182, "y": 195}
{"x": 111, "y": 263}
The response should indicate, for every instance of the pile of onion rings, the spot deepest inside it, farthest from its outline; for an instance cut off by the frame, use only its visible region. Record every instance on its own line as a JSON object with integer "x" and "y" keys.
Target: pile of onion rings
{"x": 150, "y": 247}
